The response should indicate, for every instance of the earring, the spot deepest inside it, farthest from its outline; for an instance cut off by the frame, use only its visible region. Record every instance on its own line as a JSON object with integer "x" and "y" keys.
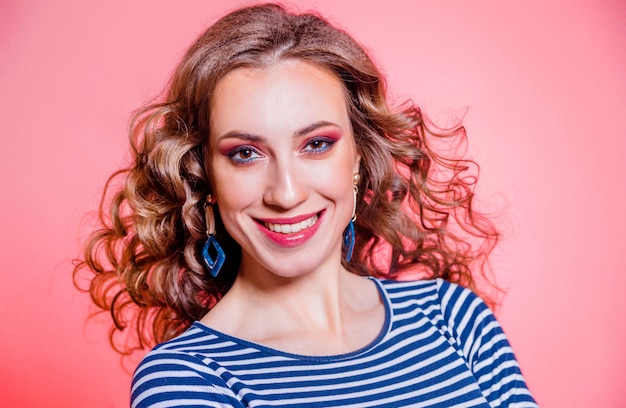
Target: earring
{"x": 213, "y": 264}
{"x": 348, "y": 234}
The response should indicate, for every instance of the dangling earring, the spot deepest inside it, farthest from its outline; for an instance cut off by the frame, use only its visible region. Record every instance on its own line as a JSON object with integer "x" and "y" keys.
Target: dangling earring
{"x": 348, "y": 234}
{"x": 213, "y": 264}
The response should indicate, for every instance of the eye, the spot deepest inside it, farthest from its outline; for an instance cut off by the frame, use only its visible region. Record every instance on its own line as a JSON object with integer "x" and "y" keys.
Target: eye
{"x": 318, "y": 145}
{"x": 243, "y": 154}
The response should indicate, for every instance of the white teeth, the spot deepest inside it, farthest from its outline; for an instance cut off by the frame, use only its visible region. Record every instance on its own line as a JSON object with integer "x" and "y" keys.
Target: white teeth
{"x": 291, "y": 228}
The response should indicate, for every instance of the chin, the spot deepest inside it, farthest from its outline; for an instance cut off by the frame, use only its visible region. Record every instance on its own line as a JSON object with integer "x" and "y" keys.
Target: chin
{"x": 295, "y": 266}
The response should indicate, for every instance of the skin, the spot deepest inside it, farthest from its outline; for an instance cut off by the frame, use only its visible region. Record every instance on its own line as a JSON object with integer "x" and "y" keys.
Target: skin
{"x": 282, "y": 150}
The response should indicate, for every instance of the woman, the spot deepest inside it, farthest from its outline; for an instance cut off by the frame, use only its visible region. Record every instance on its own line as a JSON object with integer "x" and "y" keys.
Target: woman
{"x": 270, "y": 191}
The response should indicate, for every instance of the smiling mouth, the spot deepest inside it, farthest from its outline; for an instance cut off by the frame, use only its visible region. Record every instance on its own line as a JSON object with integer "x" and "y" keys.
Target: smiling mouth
{"x": 292, "y": 228}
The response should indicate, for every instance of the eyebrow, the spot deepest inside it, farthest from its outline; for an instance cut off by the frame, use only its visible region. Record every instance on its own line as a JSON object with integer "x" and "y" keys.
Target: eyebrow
{"x": 298, "y": 133}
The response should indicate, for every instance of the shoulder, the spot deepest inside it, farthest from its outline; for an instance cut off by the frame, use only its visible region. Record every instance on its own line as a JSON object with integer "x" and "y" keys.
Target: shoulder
{"x": 458, "y": 308}
{"x": 449, "y": 297}
{"x": 452, "y": 308}
{"x": 401, "y": 291}
{"x": 471, "y": 328}
{"x": 176, "y": 371}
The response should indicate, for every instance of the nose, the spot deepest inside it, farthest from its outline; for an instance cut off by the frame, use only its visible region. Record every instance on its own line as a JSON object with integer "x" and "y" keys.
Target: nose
{"x": 286, "y": 187}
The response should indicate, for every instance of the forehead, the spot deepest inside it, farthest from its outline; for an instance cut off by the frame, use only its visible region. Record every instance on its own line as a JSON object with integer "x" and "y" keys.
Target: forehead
{"x": 280, "y": 97}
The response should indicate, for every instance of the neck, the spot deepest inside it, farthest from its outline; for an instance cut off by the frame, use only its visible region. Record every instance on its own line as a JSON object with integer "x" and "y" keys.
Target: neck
{"x": 321, "y": 312}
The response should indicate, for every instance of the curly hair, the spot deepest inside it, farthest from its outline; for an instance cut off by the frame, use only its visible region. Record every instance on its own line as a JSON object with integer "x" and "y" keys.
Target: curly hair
{"x": 414, "y": 211}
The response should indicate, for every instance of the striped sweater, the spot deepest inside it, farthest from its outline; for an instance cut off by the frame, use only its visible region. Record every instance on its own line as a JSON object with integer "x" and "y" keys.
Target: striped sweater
{"x": 440, "y": 346}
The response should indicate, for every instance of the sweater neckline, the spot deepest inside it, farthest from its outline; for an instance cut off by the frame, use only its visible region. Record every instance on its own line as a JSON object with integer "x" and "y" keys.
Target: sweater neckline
{"x": 322, "y": 358}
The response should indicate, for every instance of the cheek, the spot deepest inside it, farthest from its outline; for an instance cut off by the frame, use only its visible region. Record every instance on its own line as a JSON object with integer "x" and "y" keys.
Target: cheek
{"x": 335, "y": 180}
{"x": 233, "y": 190}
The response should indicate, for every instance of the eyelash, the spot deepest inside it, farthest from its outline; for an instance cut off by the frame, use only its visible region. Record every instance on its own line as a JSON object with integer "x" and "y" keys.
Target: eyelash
{"x": 232, "y": 155}
{"x": 326, "y": 142}
{"x": 235, "y": 154}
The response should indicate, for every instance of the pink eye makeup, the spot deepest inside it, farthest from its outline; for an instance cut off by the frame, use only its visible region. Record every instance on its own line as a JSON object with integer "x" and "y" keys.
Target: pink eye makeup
{"x": 320, "y": 144}
{"x": 241, "y": 154}
{"x": 244, "y": 149}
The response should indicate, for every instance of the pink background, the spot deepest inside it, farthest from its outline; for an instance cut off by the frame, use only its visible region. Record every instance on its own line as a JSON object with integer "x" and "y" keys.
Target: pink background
{"x": 546, "y": 87}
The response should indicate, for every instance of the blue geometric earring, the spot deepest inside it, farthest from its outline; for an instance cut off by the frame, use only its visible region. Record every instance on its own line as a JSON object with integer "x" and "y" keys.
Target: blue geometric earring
{"x": 348, "y": 233}
{"x": 213, "y": 264}
{"x": 348, "y": 242}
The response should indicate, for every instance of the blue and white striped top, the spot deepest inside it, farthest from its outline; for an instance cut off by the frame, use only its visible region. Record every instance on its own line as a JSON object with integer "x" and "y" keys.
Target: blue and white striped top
{"x": 440, "y": 347}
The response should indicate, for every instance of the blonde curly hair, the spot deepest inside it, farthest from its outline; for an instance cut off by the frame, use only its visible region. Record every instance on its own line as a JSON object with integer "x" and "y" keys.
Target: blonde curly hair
{"x": 414, "y": 210}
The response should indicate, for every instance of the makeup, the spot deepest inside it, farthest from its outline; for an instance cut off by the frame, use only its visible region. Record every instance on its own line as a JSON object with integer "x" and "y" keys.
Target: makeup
{"x": 291, "y": 232}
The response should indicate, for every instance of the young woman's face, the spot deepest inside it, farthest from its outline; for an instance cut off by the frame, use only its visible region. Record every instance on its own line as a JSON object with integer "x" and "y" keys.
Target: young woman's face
{"x": 283, "y": 160}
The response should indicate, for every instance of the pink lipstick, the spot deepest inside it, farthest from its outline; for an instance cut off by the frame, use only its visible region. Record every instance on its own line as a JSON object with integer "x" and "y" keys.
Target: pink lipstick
{"x": 291, "y": 232}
